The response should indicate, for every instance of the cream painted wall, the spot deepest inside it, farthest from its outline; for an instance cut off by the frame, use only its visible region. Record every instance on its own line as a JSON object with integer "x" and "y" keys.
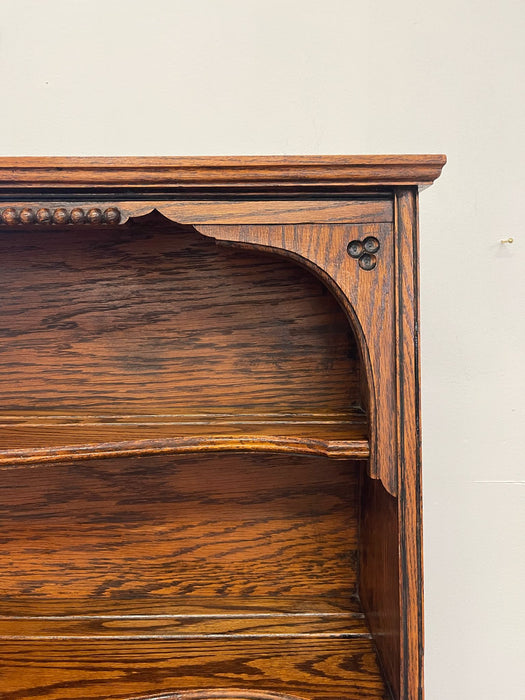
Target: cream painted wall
{"x": 178, "y": 77}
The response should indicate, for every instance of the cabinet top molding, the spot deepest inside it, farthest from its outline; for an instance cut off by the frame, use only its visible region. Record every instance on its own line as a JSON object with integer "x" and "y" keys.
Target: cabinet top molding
{"x": 254, "y": 172}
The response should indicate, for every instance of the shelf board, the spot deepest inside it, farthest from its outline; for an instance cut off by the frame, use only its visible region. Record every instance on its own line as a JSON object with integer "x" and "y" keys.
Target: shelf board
{"x": 310, "y": 668}
{"x": 32, "y": 607}
{"x": 182, "y": 619}
{"x": 309, "y": 648}
{"x": 32, "y": 439}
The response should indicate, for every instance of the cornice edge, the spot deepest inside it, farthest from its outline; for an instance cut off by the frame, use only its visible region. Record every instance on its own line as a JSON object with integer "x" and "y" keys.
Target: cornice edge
{"x": 221, "y": 172}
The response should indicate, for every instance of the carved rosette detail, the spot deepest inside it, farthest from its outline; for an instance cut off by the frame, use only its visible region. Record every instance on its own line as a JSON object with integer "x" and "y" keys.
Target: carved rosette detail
{"x": 13, "y": 216}
{"x": 364, "y": 252}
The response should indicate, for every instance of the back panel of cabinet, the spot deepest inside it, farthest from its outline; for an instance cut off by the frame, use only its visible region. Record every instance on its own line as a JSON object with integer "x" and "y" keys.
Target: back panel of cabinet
{"x": 222, "y": 526}
{"x": 156, "y": 319}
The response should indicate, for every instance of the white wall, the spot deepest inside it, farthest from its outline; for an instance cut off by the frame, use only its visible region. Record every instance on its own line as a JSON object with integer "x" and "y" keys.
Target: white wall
{"x": 189, "y": 77}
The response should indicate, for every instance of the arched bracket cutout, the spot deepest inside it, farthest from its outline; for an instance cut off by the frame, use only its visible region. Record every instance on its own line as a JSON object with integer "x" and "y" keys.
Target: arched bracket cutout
{"x": 219, "y": 694}
{"x": 368, "y": 301}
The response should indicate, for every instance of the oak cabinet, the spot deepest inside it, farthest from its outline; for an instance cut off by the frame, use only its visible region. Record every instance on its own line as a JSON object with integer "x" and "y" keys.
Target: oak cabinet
{"x": 209, "y": 450}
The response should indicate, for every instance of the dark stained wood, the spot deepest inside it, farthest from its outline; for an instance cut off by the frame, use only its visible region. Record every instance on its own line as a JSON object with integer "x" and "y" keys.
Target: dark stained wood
{"x": 152, "y": 314}
{"x": 217, "y": 172}
{"x": 255, "y": 567}
{"x": 180, "y": 627}
{"x": 51, "y": 440}
{"x": 379, "y": 575}
{"x": 34, "y": 608}
{"x": 369, "y": 299}
{"x": 226, "y": 694}
{"x": 271, "y": 542}
{"x": 409, "y": 447}
{"x": 157, "y": 320}
{"x": 318, "y": 669}
{"x": 215, "y": 525}
{"x": 298, "y": 442}
{"x": 61, "y": 213}
{"x": 58, "y": 214}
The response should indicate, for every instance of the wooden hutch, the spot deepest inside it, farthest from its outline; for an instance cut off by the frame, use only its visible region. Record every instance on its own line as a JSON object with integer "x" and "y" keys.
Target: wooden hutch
{"x": 209, "y": 435}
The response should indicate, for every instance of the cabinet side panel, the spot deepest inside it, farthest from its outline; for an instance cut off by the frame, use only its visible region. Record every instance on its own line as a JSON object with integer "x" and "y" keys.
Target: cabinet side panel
{"x": 379, "y": 575}
{"x": 409, "y": 446}
{"x": 391, "y": 576}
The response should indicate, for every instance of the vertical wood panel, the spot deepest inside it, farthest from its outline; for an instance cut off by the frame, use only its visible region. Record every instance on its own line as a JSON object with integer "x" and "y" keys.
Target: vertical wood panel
{"x": 410, "y": 520}
{"x": 379, "y": 575}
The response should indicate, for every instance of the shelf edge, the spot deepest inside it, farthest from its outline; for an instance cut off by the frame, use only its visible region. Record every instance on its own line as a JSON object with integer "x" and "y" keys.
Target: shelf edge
{"x": 357, "y": 449}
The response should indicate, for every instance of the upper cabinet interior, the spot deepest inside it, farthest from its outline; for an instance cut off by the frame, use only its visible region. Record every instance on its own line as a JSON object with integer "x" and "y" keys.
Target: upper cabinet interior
{"x": 149, "y": 336}
{"x": 210, "y": 468}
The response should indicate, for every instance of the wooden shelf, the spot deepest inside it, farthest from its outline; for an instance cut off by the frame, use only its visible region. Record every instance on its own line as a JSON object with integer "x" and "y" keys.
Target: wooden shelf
{"x": 233, "y": 571}
{"x": 32, "y": 439}
{"x": 313, "y": 668}
{"x": 155, "y": 618}
{"x": 323, "y": 647}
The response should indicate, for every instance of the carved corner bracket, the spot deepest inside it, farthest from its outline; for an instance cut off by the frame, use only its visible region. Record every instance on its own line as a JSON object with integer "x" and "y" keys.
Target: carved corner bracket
{"x": 371, "y": 314}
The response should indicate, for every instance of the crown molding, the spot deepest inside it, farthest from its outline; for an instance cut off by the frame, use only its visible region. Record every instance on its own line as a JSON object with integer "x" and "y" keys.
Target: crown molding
{"x": 213, "y": 173}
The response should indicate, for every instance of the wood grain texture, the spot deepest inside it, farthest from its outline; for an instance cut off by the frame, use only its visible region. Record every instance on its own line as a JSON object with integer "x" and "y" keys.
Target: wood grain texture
{"x": 195, "y": 526}
{"x": 89, "y": 530}
{"x": 168, "y": 343}
{"x": 179, "y": 627}
{"x": 379, "y": 575}
{"x": 29, "y": 214}
{"x": 409, "y": 441}
{"x": 368, "y": 297}
{"x": 55, "y": 439}
{"x": 313, "y": 669}
{"x": 226, "y": 694}
{"x": 162, "y": 321}
{"x": 216, "y": 172}
{"x": 31, "y": 607}
{"x": 210, "y": 575}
